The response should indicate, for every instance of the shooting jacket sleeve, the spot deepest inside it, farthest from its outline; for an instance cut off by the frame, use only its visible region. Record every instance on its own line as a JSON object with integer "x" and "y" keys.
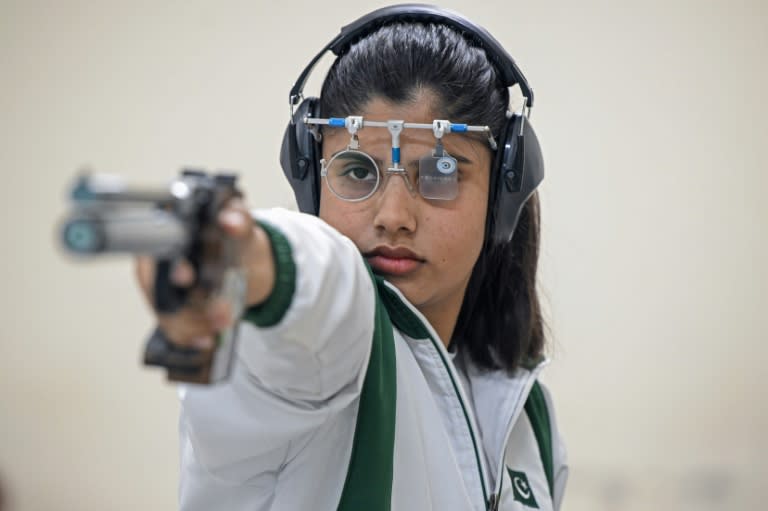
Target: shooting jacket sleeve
{"x": 316, "y": 327}
{"x": 302, "y": 357}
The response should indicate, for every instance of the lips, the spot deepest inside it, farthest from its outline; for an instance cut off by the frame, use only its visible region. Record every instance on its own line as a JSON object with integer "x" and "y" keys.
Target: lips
{"x": 395, "y": 261}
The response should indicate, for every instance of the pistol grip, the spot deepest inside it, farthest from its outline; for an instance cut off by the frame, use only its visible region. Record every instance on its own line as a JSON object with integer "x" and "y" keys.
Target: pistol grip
{"x": 183, "y": 364}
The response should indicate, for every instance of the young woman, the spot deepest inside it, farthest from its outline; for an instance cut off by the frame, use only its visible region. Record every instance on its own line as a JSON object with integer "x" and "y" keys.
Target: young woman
{"x": 389, "y": 355}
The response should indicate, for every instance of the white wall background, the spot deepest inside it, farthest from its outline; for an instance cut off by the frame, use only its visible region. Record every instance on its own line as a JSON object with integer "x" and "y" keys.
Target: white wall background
{"x": 653, "y": 120}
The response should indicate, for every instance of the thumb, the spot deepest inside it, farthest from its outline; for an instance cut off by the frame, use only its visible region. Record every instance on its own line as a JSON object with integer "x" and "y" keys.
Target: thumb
{"x": 236, "y": 221}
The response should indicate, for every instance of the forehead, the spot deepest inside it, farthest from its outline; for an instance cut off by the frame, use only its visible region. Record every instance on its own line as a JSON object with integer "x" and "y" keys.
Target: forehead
{"x": 419, "y": 110}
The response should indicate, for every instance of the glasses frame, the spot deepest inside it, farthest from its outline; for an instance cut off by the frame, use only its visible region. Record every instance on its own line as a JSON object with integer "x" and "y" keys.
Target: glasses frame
{"x": 324, "y": 173}
{"x": 354, "y": 123}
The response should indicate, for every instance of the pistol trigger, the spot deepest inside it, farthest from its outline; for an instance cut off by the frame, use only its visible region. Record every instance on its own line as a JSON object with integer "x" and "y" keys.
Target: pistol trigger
{"x": 168, "y": 296}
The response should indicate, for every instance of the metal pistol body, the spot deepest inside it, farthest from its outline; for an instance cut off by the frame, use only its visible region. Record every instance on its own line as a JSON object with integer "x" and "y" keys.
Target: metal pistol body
{"x": 179, "y": 222}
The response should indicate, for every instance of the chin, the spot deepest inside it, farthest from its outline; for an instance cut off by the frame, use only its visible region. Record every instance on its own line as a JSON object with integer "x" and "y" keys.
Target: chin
{"x": 412, "y": 291}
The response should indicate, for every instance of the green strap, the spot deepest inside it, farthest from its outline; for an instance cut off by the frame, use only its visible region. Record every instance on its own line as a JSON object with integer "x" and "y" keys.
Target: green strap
{"x": 273, "y": 309}
{"x": 538, "y": 415}
{"x": 369, "y": 477}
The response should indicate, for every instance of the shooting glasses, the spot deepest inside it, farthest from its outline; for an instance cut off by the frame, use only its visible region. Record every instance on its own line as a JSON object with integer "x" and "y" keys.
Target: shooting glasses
{"x": 353, "y": 175}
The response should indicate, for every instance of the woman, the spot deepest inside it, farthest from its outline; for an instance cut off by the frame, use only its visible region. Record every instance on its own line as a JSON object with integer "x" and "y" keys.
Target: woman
{"x": 389, "y": 356}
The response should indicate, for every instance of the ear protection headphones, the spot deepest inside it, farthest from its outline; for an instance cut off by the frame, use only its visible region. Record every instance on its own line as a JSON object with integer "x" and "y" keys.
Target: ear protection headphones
{"x": 518, "y": 165}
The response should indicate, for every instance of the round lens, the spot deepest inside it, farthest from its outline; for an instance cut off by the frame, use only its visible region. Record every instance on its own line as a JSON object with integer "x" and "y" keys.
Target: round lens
{"x": 352, "y": 175}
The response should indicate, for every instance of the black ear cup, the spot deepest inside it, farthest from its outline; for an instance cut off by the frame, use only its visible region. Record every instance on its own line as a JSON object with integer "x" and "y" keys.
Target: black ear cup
{"x": 517, "y": 171}
{"x": 300, "y": 157}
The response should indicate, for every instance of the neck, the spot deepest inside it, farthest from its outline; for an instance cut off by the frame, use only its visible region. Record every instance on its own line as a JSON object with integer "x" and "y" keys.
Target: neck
{"x": 443, "y": 319}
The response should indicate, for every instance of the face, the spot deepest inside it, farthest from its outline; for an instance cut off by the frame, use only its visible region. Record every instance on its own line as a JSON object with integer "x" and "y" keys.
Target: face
{"x": 426, "y": 248}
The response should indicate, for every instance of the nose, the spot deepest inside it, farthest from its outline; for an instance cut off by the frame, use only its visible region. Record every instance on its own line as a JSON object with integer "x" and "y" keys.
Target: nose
{"x": 396, "y": 206}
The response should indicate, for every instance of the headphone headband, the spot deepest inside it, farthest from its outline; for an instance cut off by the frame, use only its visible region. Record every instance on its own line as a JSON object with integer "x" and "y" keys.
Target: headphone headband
{"x": 508, "y": 71}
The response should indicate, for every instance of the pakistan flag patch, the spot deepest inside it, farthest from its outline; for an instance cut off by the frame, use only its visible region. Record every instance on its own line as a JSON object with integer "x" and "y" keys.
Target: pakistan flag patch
{"x": 521, "y": 489}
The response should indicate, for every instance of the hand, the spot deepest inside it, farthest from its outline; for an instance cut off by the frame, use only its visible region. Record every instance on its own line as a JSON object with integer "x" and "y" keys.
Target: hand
{"x": 196, "y": 324}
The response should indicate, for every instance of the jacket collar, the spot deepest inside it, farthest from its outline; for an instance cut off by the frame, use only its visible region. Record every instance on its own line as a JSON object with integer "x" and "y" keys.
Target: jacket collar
{"x": 498, "y": 397}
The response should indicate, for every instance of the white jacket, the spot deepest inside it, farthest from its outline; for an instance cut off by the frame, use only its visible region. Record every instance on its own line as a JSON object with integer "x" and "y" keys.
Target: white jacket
{"x": 343, "y": 397}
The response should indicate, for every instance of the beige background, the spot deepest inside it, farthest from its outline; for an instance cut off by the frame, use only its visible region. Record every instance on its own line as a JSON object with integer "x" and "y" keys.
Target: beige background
{"x": 653, "y": 120}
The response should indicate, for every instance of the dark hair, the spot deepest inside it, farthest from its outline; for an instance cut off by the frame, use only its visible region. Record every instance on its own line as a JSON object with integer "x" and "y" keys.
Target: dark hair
{"x": 500, "y": 323}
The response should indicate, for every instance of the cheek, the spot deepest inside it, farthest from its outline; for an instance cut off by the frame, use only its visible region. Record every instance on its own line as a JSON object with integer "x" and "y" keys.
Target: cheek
{"x": 458, "y": 237}
{"x": 348, "y": 218}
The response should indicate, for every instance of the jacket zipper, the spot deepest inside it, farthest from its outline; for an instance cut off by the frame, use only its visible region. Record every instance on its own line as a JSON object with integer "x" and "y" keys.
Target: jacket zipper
{"x": 495, "y": 499}
{"x": 491, "y": 503}
{"x": 457, "y": 389}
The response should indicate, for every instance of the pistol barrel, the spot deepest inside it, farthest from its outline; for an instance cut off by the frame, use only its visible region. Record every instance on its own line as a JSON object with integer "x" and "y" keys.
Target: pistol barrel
{"x": 152, "y": 232}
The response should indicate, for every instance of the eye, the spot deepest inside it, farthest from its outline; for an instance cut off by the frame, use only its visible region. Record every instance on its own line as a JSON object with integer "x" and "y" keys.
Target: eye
{"x": 358, "y": 173}
{"x": 352, "y": 175}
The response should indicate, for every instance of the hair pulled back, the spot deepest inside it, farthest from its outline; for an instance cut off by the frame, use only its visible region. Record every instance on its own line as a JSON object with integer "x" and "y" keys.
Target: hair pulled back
{"x": 500, "y": 323}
